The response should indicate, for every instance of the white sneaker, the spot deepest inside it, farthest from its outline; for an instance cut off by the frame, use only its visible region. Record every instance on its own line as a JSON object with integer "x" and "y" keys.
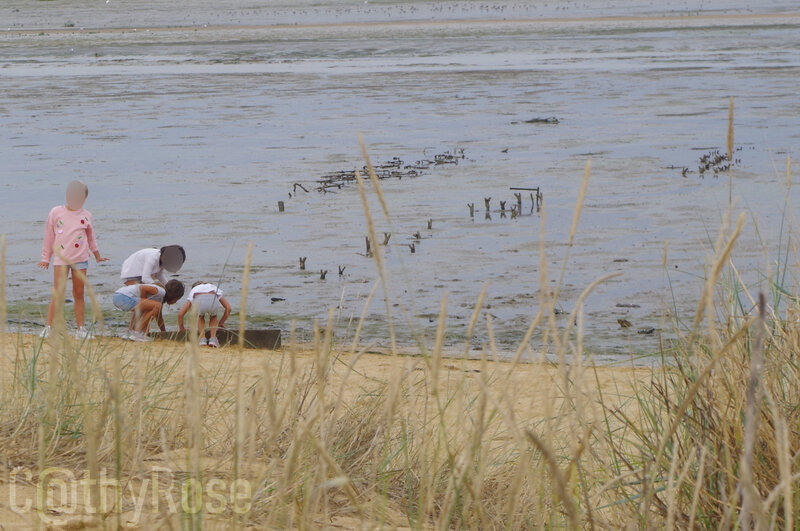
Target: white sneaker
{"x": 84, "y": 333}
{"x": 126, "y": 334}
{"x": 213, "y": 342}
{"x": 203, "y": 341}
{"x": 45, "y": 333}
{"x": 140, "y": 336}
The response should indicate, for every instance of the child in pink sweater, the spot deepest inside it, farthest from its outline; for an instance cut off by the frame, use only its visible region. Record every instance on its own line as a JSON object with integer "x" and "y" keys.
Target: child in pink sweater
{"x": 68, "y": 243}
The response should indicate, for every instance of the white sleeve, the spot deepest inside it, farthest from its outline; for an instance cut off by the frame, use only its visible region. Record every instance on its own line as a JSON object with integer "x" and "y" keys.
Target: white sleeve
{"x": 162, "y": 276}
{"x": 152, "y": 267}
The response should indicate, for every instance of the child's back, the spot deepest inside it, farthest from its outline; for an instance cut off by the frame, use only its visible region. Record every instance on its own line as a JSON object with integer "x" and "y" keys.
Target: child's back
{"x": 206, "y": 299}
{"x": 134, "y": 291}
{"x": 202, "y": 289}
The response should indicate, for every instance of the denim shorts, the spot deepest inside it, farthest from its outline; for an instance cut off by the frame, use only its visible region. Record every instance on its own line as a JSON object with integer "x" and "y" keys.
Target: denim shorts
{"x": 81, "y": 265}
{"x": 125, "y": 303}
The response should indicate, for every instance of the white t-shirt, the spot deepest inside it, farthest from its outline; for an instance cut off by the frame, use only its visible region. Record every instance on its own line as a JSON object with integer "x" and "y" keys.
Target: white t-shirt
{"x": 203, "y": 288}
{"x": 134, "y": 291}
{"x": 146, "y": 264}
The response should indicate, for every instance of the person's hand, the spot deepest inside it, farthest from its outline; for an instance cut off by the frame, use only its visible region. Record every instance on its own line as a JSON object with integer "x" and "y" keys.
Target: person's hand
{"x": 102, "y": 259}
{"x": 43, "y": 265}
{"x": 181, "y": 328}
{"x": 221, "y": 324}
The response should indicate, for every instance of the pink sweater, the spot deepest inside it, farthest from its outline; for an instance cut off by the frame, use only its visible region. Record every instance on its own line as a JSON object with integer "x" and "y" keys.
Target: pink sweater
{"x": 71, "y": 232}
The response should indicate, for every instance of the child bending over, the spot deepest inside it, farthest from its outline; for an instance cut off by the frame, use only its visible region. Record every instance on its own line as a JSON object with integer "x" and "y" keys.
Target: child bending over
{"x": 146, "y": 301}
{"x": 207, "y": 299}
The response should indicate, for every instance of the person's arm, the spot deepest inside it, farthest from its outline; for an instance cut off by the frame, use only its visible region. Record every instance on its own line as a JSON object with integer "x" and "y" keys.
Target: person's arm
{"x": 182, "y": 314}
{"x": 160, "y": 319}
{"x": 225, "y": 304}
{"x": 147, "y": 291}
{"x": 162, "y": 277}
{"x": 49, "y": 238}
{"x": 93, "y": 242}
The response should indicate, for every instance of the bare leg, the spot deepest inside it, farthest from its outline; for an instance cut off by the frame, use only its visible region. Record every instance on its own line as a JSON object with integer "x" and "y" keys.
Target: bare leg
{"x": 149, "y": 310}
{"x": 212, "y": 323}
{"x": 59, "y": 280}
{"x": 77, "y": 295}
{"x": 201, "y": 326}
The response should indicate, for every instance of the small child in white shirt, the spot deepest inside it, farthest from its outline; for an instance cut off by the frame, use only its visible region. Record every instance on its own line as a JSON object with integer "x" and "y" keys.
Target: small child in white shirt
{"x": 207, "y": 299}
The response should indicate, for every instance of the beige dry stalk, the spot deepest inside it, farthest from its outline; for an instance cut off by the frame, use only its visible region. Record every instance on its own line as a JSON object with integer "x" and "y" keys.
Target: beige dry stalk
{"x": 376, "y": 253}
{"x": 243, "y": 303}
{"x": 3, "y": 295}
{"x": 788, "y": 175}
{"x": 707, "y": 298}
{"x": 239, "y": 424}
{"x": 576, "y": 216}
{"x": 751, "y": 513}
{"x": 730, "y": 153}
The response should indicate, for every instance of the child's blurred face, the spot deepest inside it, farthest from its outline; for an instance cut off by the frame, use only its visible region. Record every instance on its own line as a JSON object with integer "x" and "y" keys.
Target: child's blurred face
{"x": 172, "y": 259}
{"x": 76, "y": 195}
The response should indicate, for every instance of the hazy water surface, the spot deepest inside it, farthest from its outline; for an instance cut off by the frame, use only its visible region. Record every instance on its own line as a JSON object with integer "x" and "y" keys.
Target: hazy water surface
{"x": 192, "y": 135}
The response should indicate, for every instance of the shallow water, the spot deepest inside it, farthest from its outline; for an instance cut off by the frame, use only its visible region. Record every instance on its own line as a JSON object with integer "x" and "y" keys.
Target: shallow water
{"x": 192, "y": 136}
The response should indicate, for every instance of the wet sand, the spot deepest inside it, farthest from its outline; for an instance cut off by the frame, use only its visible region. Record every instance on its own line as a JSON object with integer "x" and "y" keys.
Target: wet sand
{"x": 661, "y": 20}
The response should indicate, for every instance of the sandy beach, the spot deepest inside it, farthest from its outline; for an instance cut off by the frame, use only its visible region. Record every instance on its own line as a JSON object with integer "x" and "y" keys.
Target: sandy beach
{"x": 535, "y": 390}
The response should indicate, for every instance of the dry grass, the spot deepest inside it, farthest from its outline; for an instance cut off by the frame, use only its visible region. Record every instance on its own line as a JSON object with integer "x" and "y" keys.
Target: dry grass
{"x": 329, "y": 436}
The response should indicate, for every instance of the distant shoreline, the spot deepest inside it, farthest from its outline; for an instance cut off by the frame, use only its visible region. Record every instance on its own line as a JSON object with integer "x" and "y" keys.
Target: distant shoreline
{"x": 794, "y": 16}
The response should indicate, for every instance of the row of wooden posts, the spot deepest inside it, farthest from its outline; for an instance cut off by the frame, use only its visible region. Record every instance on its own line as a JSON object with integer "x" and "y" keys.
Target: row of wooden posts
{"x": 516, "y": 209}
{"x": 417, "y": 236}
{"x": 322, "y": 272}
